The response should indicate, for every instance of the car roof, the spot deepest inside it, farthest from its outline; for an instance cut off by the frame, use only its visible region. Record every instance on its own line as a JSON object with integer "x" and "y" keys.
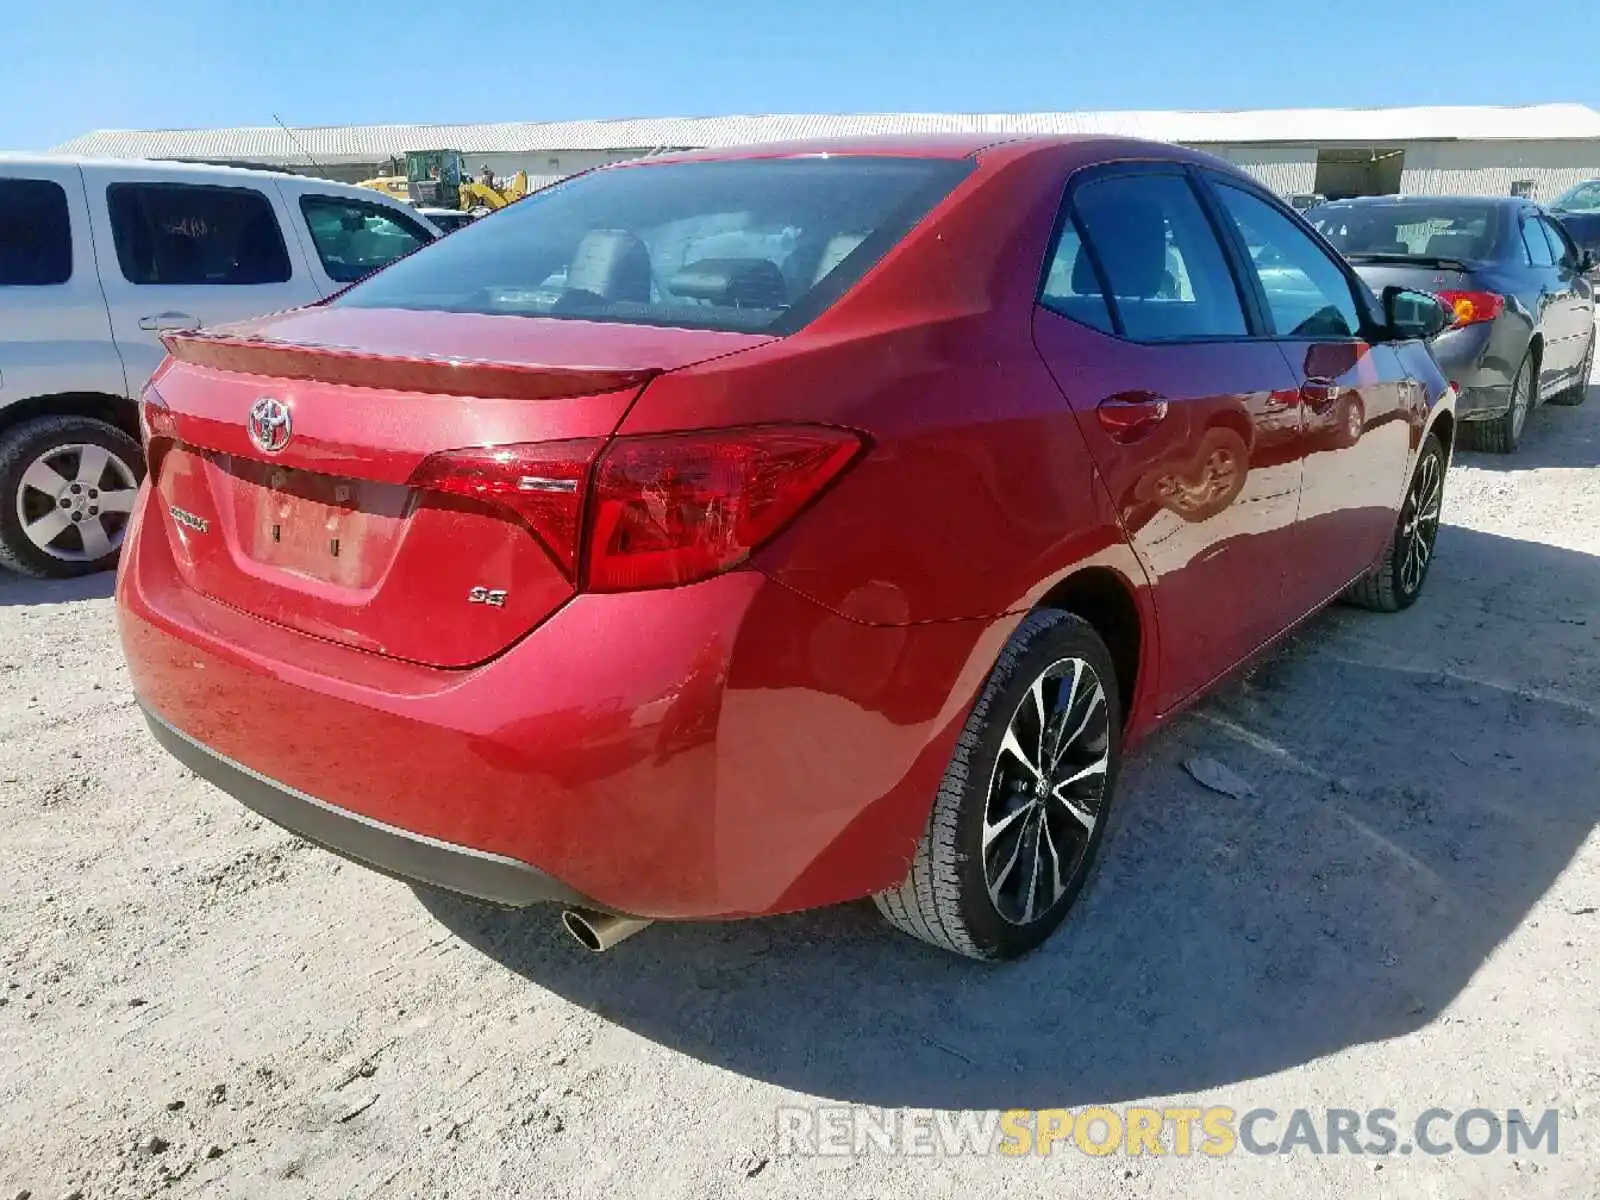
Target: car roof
{"x": 212, "y": 172}
{"x": 906, "y": 145}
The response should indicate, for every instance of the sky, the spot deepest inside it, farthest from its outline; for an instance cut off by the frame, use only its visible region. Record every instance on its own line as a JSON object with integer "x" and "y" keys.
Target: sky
{"x": 76, "y": 65}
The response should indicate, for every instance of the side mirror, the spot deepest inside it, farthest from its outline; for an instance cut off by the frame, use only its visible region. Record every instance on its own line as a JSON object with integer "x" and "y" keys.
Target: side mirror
{"x": 1412, "y": 314}
{"x": 1587, "y": 262}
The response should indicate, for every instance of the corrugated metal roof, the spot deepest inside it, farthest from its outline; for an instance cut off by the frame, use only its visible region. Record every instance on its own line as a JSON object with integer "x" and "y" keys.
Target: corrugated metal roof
{"x": 372, "y": 143}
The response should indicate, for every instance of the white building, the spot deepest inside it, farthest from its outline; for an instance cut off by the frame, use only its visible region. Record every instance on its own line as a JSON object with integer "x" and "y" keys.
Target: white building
{"x": 1539, "y": 150}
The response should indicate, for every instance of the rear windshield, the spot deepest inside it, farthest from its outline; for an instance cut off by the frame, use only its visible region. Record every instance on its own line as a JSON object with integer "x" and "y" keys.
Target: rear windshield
{"x": 1410, "y": 228}
{"x": 754, "y": 245}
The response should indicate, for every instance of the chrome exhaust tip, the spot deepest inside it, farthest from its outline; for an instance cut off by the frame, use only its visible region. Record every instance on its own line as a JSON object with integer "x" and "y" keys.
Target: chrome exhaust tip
{"x": 598, "y": 932}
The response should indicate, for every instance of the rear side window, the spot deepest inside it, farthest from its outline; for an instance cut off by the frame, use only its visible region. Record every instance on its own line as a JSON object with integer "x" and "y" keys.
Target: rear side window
{"x": 1558, "y": 244}
{"x": 169, "y": 233}
{"x": 1535, "y": 243}
{"x": 1162, "y": 261}
{"x": 1306, "y": 292}
{"x": 35, "y": 233}
{"x": 1071, "y": 286}
{"x": 355, "y": 238}
{"x": 754, "y": 245}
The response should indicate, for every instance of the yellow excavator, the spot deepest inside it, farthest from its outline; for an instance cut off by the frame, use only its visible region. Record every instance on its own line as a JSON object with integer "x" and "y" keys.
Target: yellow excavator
{"x": 438, "y": 179}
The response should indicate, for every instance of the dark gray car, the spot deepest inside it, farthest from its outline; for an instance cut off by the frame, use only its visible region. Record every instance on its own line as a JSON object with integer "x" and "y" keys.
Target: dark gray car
{"x": 1524, "y": 303}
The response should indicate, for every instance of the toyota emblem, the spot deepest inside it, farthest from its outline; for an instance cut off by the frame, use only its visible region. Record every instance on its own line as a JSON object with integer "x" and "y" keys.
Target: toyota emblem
{"x": 271, "y": 425}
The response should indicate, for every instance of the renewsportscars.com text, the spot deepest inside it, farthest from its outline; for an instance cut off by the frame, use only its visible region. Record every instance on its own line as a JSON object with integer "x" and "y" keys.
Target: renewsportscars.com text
{"x": 1217, "y": 1131}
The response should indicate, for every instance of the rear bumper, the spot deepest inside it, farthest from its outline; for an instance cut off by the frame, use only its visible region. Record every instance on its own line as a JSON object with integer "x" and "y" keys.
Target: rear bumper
{"x": 723, "y": 749}
{"x": 395, "y": 852}
{"x": 1481, "y": 360}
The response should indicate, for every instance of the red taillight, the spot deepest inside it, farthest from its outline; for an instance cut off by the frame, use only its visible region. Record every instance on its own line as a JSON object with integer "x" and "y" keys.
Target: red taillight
{"x": 1473, "y": 307}
{"x": 674, "y": 509}
{"x": 663, "y": 510}
{"x": 543, "y": 484}
{"x": 155, "y": 418}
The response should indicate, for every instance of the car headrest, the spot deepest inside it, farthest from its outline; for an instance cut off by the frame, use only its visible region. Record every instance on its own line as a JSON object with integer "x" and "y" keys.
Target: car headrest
{"x": 732, "y": 283}
{"x": 1452, "y": 245}
{"x": 1131, "y": 238}
{"x": 611, "y": 263}
{"x": 1084, "y": 281}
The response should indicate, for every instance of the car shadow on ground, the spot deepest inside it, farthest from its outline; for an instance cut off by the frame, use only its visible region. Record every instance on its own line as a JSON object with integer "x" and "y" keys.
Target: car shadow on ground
{"x": 1551, "y": 438}
{"x": 1420, "y": 786}
{"x": 20, "y": 589}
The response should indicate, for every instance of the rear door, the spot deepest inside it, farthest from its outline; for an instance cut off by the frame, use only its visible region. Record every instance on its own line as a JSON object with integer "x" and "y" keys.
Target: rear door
{"x": 1357, "y": 404}
{"x": 1191, "y": 420}
{"x": 1572, "y": 310}
{"x": 182, "y": 255}
{"x": 1546, "y": 299}
{"x": 54, "y": 332}
{"x": 346, "y": 238}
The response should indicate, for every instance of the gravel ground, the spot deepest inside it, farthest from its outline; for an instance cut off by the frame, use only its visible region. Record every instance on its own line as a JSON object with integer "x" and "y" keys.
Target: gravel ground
{"x": 1404, "y": 915}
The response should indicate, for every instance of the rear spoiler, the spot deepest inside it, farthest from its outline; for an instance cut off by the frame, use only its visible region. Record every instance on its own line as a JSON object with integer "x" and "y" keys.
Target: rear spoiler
{"x": 423, "y": 373}
{"x": 1412, "y": 260}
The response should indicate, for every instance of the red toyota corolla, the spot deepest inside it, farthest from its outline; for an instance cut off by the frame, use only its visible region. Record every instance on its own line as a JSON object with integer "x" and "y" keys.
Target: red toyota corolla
{"x": 739, "y": 532}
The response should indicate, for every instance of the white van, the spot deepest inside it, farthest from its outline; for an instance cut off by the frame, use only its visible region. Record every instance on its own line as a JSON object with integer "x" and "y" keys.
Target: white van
{"x": 97, "y": 260}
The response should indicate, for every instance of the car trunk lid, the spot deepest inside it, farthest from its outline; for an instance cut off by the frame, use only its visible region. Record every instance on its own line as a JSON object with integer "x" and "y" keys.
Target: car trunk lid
{"x": 1418, "y": 272}
{"x": 330, "y": 533}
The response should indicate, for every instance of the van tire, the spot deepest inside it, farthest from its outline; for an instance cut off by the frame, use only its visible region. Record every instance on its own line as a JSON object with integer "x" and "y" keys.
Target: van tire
{"x": 49, "y": 440}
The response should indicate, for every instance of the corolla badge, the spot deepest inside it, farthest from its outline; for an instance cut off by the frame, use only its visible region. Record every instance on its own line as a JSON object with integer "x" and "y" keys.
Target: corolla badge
{"x": 271, "y": 425}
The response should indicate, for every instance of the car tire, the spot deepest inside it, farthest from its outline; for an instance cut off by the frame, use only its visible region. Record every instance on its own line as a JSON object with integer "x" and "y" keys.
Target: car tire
{"x": 1578, "y": 392}
{"x": 1503, "y": 434}
{"x": 983, "y": 882}
{"x": 73, "y": 473}
{"x": 1398, "y": 581}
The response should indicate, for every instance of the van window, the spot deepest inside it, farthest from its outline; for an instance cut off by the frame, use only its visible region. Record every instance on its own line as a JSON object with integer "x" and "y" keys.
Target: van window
{"x": 35, "y": 233}
{"x": 354, "y": 238}
{"x": 755, "y": 245}
{"x": 179, "y": 233}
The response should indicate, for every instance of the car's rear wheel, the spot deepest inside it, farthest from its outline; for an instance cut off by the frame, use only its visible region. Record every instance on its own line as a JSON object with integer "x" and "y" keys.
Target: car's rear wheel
{"x": 1022, "y": 808}
{"x": 1579, "y": 391}
{"x": 67, "y": 486}
{"x": 1503, "y": 434}
{"x": 1399, "y": 578}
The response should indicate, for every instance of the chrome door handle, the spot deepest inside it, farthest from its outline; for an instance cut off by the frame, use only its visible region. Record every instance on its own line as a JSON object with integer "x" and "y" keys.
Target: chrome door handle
{"x": 168, "y": 322}
{"x": 1129, "y": 416}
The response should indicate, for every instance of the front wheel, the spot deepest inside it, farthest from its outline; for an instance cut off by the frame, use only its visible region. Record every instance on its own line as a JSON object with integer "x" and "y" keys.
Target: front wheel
{"x": 1022, "y": 808}
{"x": 1398, "y": 581}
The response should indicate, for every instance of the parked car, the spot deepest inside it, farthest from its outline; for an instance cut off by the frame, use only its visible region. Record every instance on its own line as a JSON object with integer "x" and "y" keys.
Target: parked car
{"x": 97, "y": 260}
{"x": 1578, "y": 210}
{"x": 1524, "y": 306}
{"x": 565, "y": 560}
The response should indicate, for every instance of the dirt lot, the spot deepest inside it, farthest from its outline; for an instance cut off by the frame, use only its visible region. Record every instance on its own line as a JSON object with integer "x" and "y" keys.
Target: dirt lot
{"x": 1404, "y": 916}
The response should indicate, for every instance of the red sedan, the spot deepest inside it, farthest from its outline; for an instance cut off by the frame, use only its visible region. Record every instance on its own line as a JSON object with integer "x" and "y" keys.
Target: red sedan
{"x": 733, "y": 533}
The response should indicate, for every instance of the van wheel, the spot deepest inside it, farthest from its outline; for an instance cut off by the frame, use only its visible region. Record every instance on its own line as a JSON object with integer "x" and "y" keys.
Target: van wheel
{"x": 1503, "y": 434}
{"x": 67, "y": 486}
{"x": 1022, "y": 808}
{"x": 1399, "y": 578}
